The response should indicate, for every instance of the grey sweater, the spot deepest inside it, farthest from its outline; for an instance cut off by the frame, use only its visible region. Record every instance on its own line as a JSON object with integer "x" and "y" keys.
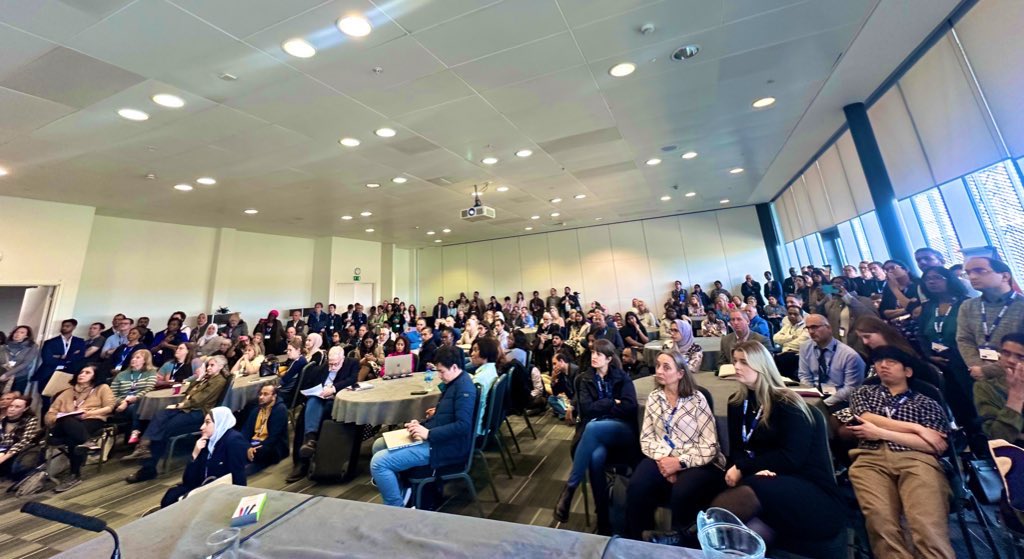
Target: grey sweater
{"x": 970, "y": 334}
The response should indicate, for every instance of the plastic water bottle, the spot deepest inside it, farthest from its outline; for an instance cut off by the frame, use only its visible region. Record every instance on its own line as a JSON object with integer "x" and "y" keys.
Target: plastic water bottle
{"x": 428, "y": 378}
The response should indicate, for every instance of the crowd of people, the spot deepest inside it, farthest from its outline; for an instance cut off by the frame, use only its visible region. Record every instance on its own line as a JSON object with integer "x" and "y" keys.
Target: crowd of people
{"x": 889, "y": 351}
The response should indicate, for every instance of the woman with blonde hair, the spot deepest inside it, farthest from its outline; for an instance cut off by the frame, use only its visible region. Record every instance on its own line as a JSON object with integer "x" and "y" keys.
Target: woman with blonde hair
{"x": 130, "y": 385}
{"x": 249, "y": 363}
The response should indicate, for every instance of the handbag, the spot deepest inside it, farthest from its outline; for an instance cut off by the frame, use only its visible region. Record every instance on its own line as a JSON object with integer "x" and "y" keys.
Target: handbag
{"x": 268, "y": 368}
{"x": 984, "y": 480}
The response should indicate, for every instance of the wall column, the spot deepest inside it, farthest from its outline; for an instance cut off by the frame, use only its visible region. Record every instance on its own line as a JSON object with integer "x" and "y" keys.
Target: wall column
{"x": 882, "y": 193}
{"x": 771, "y": 240}
{"x": 219, "y": 293}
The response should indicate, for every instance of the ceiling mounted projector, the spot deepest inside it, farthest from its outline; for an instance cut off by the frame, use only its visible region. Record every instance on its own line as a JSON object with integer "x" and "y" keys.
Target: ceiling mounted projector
{"x": 479, "y": 211}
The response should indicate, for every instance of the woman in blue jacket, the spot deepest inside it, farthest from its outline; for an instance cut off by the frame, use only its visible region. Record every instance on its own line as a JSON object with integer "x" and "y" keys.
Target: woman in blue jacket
{"x": 220, "y": 450}
{"x": 447, "y": 433}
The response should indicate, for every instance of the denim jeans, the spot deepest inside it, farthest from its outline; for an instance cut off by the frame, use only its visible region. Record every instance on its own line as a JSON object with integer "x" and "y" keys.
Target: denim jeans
{"x": 557, "y": 405}
{"x": 387, "y": 464}
{"x": 599, "y": 436}
{"x": 315, "y": 410}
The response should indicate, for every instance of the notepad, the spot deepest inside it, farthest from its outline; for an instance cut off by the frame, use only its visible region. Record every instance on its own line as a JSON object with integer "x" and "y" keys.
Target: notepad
{"x": 726, "y": 370}
{"x": 399, "y": 438}
{"x": 360, "y": 386}
{"x": 248, "y": 510}
{"x": 69, "y": 413}
{"x": 313, "y": 391}
{"x": 808, "y": 391}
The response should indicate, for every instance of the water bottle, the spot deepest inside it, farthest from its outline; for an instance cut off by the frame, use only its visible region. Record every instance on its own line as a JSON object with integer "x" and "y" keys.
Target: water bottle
{"x": 428, "y": 378}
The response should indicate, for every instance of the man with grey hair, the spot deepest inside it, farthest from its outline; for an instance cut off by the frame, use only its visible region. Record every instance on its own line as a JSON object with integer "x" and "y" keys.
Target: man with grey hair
{"x": 827, "y": 363}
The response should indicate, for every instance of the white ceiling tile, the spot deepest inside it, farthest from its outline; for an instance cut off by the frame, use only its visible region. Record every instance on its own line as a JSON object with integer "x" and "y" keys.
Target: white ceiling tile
{"x": 420, "y": 94}
{"x": 70, "y": 78}
{"x": 581, "y": 12}
{"x": 560, "y": 86}
{"x": 245, "y": 17}
{"x": 621, "y": 34}
{"x": 417, "y": 15}
{"x": 253, "y": 68}
{"x": 57, "y": 20}
{"x": 20, "y": 113}
{"x": 19, "y": 48}
{"x": 517, "y": 64}
{"x": 402, "y": 60}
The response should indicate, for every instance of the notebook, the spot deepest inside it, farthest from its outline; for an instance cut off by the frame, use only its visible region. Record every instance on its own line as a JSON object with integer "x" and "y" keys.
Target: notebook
{"x": 248, "y": 510}
{"x": 399, "y": 438}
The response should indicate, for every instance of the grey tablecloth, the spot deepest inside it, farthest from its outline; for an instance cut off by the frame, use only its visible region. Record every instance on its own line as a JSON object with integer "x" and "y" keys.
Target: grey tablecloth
{"x": 710, "y": 345}
{"x": 243, "y": 392}
{"x": 389, "y": 402}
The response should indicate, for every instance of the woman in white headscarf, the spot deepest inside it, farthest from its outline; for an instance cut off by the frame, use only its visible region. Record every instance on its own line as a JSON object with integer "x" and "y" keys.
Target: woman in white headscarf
{"x": 209, "y": 342}
{"x": 220, "y": 451}
{"x": 682, "y": 342}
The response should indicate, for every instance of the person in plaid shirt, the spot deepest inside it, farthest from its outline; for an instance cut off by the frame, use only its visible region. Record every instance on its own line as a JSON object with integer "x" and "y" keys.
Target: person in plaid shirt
{"x": 683, "y": 463}
{"x": 19, "y": 438}
{"x": 896, "y": 470}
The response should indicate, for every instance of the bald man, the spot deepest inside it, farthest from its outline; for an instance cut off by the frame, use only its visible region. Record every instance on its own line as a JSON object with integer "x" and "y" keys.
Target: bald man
{"x": 829, "y": 364}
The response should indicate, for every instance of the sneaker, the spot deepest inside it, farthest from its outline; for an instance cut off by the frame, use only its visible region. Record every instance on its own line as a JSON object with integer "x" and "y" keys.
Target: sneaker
{"x": 406, "y": 496}
{"x": 134, "y": 438}
{"x": 672, "y": 537}
{"x": 140, "y": 453}
{"x": 67, "y": 484}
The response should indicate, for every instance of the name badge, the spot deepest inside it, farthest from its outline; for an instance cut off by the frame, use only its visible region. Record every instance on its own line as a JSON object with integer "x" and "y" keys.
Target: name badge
{"x": 117, "y": 369}
{"x": 988, "y": 353}
{"x": 11, "y": 364}
{"x": 842, "y": 332}
{"x": 59, "y": 368}
{"x": 255, "y": 442}
{"x": 939, "y": 348}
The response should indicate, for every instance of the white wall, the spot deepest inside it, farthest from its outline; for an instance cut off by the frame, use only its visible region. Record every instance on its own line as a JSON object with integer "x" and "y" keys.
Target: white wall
{"x": 270, "y": 272}
{"x": 608, "y": 263}
{"x": 349, "y": 254}
{"x": 403, "y": 271}
{"x": 11, "y": 299}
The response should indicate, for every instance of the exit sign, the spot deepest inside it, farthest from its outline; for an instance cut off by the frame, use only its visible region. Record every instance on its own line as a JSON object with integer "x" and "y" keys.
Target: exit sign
{"x": 355, "y": 278}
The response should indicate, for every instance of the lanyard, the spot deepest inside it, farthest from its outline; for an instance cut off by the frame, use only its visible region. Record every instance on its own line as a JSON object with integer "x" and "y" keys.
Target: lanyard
{"x": 67, "y": 344}
{"x": 134, "y": 380}
{"x": 78, "y": 403}
{"x": 999, "y": 318}
{"x": 603, "y": 390}
{"x": 668, "y": 423}
{"x": 124, "y": 354}
{"x": 939, "y": 323}
{"x": 891, "y": 411}
{"x": 749, "y": 431}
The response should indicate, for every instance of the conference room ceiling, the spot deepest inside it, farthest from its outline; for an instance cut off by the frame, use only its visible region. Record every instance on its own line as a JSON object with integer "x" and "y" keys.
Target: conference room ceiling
{"x": 458, "y": 80}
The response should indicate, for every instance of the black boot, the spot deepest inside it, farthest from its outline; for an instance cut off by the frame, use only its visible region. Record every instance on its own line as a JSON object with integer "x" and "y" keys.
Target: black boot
{"x": 603, "y": 512}
{"x": 308, "y": 446}
{"x": 561, "y": 512}
{"x": 299, "y": 471}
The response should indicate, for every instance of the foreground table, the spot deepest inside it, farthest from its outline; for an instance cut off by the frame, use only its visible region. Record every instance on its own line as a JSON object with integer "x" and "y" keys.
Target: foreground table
{"x": 298, "y": 526}
{"x": 389, "y": 402}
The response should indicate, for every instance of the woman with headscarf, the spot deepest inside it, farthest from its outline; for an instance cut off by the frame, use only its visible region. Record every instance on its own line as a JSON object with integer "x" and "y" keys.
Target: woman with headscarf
{"x": 18, "y": 360}
{"x": 208, "y": 342}
{"x": 682, "y": 343}
{"x": 315, "y": 355}
{"x": 201, "y": 329}
{"x": 219, "y": 451}
{"x": 273, "y": 334}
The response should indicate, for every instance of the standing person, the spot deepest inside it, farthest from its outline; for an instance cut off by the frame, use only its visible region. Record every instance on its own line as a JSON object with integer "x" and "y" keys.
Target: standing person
{"x": 751, "y": 288}
{"x": 789, "y": 284}
{"x": 77, "y": 414}
{"x": 18, "y": 359}
{"x": 64, "y": 352}
{"x": 332, "y": 322}
{"x": 944, "y": 295}
{"x": 297, "y": 323}
{"x": 273, "y": 333}
{"x": 570, "y": 301}
{"x": 536, "y": 307}
{"x": 843, "y": 308}
{"x": 683, "y": 464}
{"x": 772, "y": 288}
{"x": 984, "y": 320}
{"x": 266, "y": 430}
{"x": 94, "y": 343}
{"x": 440, "y": 310}
{"x": 678, "y": 293}
{"x": 317, "y": 319}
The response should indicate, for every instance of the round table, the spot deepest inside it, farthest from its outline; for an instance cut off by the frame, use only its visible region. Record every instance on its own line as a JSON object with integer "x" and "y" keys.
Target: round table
{"x": 244, "y": 390}
{"x": 389, "y": 402}
{"x": 710, "y": 346}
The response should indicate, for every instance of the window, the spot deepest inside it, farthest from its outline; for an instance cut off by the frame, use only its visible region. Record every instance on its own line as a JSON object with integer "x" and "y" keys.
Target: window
{"x": 862, "y": 239}
{"x": 996, "y": 192}
{"x": 794, "y": 259}
{"x": 936, "y": 225}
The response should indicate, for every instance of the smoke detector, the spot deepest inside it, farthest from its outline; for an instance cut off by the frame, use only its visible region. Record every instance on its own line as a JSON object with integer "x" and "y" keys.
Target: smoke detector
{"x": 647, "y": 29}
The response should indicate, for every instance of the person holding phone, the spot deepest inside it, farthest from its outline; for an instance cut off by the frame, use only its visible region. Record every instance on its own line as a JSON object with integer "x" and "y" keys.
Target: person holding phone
{"x": 219, "y": 451}
{"x": 843, "y": 307}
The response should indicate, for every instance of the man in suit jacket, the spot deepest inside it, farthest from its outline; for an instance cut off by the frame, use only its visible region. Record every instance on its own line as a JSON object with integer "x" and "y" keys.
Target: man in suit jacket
{"x": 337, "y": 374}
{"x": 603, "y": 330}
{"x": 751, "y": 288}
{"x": 316, "y": 321}
{"x": 266, "y": 430}
{"x": 297, "y": 323}
{"x": 740, "y": 332}
{"x": 789, "y": 284}
{"x": 440, "y": 310}
{"x": 772, "y": 288}
{"x": 65, "y": 352}
{"x": 332, "y": 323}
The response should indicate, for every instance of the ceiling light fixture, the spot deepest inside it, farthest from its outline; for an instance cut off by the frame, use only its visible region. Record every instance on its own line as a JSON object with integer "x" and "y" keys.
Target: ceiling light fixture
{"x": 252, "y": 211}
{"x": 346, "y": 217}
{"x": 399, "y": 180}
{"x": 726, "y": 201}
{"x": 534, "y": 217}
{"x": 354, "y": 26}
{"x": 490, "y": 160}
{"x": 208, "y": 181}
{"x": 555, "y": 214}
{"x": 622, "y": 70}
{"x": 736, "y": 171}
{"x": 446, "y": 230}
{"x": 370, "y": 230}
{"x": 373, "y": 185}
{"x": 183, "y": 187}
{"x": 689, "y": 155}
{"x": 691, "y": 194}
{"x": 666, "y": 198}
{"x": 686, "y": 52}
{"x": 168, "y": 100}
{"x": 580, "y": 196}
{"x": 349, "y": 142}
{"x": 431, "y": 233}
{"x": 764, "y": 102}
{"x": 437, "y": 240}
{"x": 555, "y": 200}
{"x": 528, "y": 228}
{"x": 524, "y": 153}
{"x": 598, "y": 218}
{"x": 299, "y": 48}
{"x": 366, "y": 214}
{"x": 133, "y": 114}
{"x": 653, "y": 161}
{"x": 385, "y": 132}
{"x": 502, "y": 189}
{"x": 3, "y": 172}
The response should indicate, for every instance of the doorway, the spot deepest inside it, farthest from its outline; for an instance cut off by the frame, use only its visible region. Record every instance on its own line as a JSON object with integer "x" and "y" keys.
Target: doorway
{"x": 29, "y": 305}
{"x": 353, "y": 292}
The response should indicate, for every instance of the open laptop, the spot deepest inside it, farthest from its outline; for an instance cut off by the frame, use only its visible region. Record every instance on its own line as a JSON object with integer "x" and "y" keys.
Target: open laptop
{"x": 398, "y": 365}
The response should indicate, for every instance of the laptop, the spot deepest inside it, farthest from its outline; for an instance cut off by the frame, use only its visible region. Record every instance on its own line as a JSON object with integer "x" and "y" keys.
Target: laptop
{"x": 398, "y": 365}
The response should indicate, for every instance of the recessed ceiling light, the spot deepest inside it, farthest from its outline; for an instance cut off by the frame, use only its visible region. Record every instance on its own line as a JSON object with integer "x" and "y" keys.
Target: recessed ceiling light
{"x": 555, "y": 200}
{"x": 299, "y": 48}
{"x": 431, "y": 233}
{"x": 252, "y": 211}
{"x": 736, "y": 171}
{"x": 349, "y": 142}
{"x": 666, "y": 198}
{"x": 555, "y": 214}
{"x": 598, "y": 218}
{"x": 689, "y": 155}
{"x": 133, "y": 114}
{"x": 726, "y": 201}
{"x": 373, "y": 185}
{"x": 502, "y": 189}
{"x": 385, "y": 132}
{"x": 764, "y": 102}
{"x": 183, "y": 187}
{"x": 622, "y": 70}
{"x": 346, "y": 217}
{"x": 370, "y": 230}
{"x": 653, "y": 161}
{"x": 208, "y": 181}
{"x": 580, "y": 196}
{"x": 399, "y": 180}
{"x": 528, "y": 228}
{"x": 3, "y": 172}
{"x": 691, "y": 194}
{"x": 437, "y": 240}
{"x": 366, "y": 214}
{"x": 168, "y": 100}
{"x": 489, "y": 160}
{"x": 524, "y": 153}
{"x": 354, "y": 26}
{"x": 534, "y": 217}
{"x": 446, "y": 230}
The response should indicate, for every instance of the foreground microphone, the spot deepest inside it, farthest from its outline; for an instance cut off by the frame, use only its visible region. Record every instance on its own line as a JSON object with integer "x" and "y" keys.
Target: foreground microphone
{"x": 90, "y": 523}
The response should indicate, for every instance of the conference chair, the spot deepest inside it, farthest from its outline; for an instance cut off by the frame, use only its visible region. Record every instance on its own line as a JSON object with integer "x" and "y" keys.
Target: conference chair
{"x": 422, "y": 476}
{"x": 493, "y": 417}
{"x": 55, "y": 446}
{"x": 519, "y": 374}
{"x": 173, "y": 441}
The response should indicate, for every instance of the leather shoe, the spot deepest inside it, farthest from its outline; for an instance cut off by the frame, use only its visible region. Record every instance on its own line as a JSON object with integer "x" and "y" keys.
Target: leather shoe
{"x": 561, "y": 512}
{"x": 298, "y": 472}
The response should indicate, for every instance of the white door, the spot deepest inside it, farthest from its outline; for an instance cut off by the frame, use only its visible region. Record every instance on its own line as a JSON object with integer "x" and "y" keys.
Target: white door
{"x": 353, "y": 292}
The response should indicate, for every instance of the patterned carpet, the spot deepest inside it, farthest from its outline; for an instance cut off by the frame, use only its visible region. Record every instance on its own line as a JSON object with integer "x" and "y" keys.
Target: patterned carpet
{"x": 540, "y": 472}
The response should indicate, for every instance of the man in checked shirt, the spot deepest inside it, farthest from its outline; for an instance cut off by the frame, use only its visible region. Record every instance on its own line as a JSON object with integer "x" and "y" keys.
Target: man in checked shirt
{"x": 896, "y": 471}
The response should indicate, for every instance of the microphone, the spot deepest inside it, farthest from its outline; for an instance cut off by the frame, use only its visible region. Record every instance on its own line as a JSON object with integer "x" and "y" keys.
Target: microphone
{"x": 90, "y": 523}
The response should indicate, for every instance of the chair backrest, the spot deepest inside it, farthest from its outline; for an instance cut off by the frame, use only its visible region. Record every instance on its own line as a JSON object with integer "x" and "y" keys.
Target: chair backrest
{"x": 519, "y": 390}
{"x": 821, "y": 432}
{"x": 298, "y": 385}
{"x": 477, "y": 410}
{"x": 707, "y": 396}
{"x": 495, "y": 409}
{"x": 227, "y": 390}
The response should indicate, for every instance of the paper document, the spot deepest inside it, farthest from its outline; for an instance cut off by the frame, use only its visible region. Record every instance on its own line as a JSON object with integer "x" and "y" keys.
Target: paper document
{"x": 313, "y": 392}
{"x": 69, "y": 413}
{"x": 399, "y": 438}
{"x": 361, "y": 386}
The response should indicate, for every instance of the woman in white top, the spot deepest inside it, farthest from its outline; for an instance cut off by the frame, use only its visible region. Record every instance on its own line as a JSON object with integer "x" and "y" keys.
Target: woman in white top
{"x": 209, "y": 342}
{"x": 683, "y": 463}
{"x": 469, "y": 333}
{"x": 250, "y": 362}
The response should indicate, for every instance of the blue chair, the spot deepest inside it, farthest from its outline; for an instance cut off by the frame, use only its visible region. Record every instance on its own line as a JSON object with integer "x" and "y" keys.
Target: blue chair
{"x": 192, "y": 437}
{"x": 494, "y": 415}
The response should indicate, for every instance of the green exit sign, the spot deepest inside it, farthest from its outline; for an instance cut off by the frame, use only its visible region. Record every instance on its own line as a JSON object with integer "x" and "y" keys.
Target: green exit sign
{"x": 355, "y": 278}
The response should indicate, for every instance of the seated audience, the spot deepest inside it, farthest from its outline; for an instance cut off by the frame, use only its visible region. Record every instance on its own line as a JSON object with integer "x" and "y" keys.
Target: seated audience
{"x": 167, "y": 341}
{"x": 683, "y": 463}
{"x": 370, "y": 356}
{"x": 896, "y": 471}
{"x": 296, "y": 322}
{"x": 578, "y": 330}
{"x": 181, "y": 418}
{"x": 900, "y": 290}
{"x": 520, "y": 347}
{"x": 219, "y": 451}
{"x": 757, "y": 324}
{"x": 250, "y": 362}
{"x": 634, "y": 334}
{"x": 606, "y": 429}
{"x": 201, "y": 329}
{"x": 999, "y": 396}
{"x": 121, "y": 356}
{"x": 209, "y": 342}
{"x": 77, "y": 414}
{"x": 741, "y": 332}
{"x": 825, "y": 362}
{"x": 774, "y": 312}
{"x": 177, "y": 369}
{"x": 633, "y": 364}
{"x": 712, "y": 326}
{"x": 313, "y": 353}
{"x": 790, "y": 337}
{"x": 447, "y": 433}
{"x": 428, "y": 347}
{"x": 94, "y": 342}
{"x": 401, "y": 348}
{"x": 235, "y": 329}
{"x": 681, "y": 341}
{"x": 483, "y": 355}
{"x": 780, "y": 480}
{"x": 843, "y": 308}
{"x": 695, "y": 309}
{"x": 20, "y": 435}
{"x": 129, "y": 387}
{"x": 18, "y": 358}
{"x": 266, "y": 430}
{"x": 294, "y": 364}
{"x": 563, "y": 374}
{"x": 118, "y": 335}
{"x": 338, "y": 374}
{"x": 605, "y": 331}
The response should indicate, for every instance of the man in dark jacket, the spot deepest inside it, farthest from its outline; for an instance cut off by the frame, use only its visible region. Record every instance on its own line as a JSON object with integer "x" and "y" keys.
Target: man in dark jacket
{"x": 317, "y": 320}
{"x": 751, "y": 288}
{"x": 338, "y": 374}
{"x": 772, "y": 287}
{"x": 444, "y": 438}
{"x": 428, "y": 348}
{"x": 266, "y": 429}
{"x": 65, "y": 352}
{"x": 604, "y": 331}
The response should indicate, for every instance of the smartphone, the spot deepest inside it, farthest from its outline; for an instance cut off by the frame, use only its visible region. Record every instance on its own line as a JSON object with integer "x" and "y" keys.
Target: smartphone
{"x": 854, "y": 422}
{"x": 829, "y": 290}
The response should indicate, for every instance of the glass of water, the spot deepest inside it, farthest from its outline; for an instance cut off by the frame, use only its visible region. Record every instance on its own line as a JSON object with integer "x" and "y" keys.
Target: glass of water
{"x": 428, "y": 379}
{"x": 223, "y": 544}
